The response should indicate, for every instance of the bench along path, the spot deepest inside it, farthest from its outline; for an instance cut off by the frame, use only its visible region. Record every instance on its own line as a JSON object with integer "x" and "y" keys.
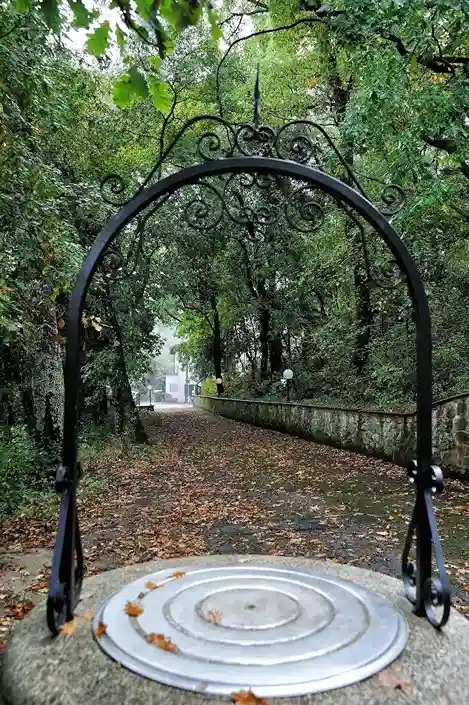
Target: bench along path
{"x": 209, "y": 485}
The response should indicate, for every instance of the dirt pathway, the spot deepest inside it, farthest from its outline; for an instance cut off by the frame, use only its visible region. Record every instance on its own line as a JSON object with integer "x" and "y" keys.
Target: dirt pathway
{"x": 212, "y": 485}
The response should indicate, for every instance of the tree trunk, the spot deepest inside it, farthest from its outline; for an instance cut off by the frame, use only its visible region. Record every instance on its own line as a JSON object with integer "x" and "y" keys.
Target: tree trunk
{"x": 363, "y": 308}
{"x": 47, "y": 389}
{"x": 217, "y": 347}
{"x": 264, "y": 323}
{"x": 276, "y": 350}
{"x": 364, "y": 318}
{"x": 126, "y": 408}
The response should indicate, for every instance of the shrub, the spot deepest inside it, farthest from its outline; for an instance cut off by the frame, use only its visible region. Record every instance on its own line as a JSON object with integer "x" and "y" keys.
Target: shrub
{"x": 208, "y": 387}
{"x": 22, "y": 468}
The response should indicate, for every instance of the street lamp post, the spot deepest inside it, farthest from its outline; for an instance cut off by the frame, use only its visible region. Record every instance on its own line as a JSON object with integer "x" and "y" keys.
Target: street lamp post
{"x": 288, "y": 376}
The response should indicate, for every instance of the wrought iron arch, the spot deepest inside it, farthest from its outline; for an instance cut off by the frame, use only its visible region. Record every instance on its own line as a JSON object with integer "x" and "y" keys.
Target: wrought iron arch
{"x": 67, "y": 569}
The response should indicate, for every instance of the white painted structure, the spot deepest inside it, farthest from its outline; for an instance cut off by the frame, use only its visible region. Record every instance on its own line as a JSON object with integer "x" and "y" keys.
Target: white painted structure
{"x": 169, "y": 380}
{"x": 176, "y": 386}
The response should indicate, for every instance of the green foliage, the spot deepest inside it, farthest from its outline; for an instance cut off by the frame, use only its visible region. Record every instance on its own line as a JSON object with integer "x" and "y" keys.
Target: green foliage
{"x": 82, "y": 17}
{"x": 157, "y": 25}
{"x": 208, "y": 388}
{"x": 130, "y": 88}
{"x": 98, "y": 40}
{"x": 51, "y": 13}
{"x": 22, "y": 468}
{"x": 160, "y": 93}
{"x": 248, "y": 304}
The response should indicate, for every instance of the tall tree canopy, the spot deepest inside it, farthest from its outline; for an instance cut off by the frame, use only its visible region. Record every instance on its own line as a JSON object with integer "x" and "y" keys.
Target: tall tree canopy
{"x": 90, "y": 91}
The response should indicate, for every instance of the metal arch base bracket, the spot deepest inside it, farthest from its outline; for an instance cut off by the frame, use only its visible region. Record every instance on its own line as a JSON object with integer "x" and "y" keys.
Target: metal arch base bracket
{"x": 67, "y": 563}
{"x": 423, "y": 591}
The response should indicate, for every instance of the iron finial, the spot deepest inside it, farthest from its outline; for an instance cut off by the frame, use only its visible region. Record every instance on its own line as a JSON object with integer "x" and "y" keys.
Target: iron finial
{"x": 257, "y": 98}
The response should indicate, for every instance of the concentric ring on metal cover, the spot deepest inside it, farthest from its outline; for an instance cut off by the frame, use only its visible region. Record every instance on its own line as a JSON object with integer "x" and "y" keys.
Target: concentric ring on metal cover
{"x": 278, "y": 630}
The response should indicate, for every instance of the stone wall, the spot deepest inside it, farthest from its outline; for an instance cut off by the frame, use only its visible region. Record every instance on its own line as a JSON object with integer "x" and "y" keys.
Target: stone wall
{"x": 387, "y": 435}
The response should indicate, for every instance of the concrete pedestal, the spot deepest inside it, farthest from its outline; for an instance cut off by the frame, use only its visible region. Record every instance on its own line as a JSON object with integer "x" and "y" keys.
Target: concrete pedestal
{"x": 73, "y": 670}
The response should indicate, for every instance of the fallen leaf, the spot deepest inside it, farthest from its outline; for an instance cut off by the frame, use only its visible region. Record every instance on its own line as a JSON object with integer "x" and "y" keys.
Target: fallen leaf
{"x": 19, "y": 610}
{"x": 101, "y": 629}
{"x": 178, "y": 574}
{"x": 389, "y": 680}
{"x": 153, "y": 586}
{"x": 133, "y": 609}
{"x": 247, "y": 697}
{"x": 87, "y": 616}
{"x": 161, "y": 642}
{"x": 69, "y": 627}
{"x": 140, "y": 596}
{"x": 214, "y": 616}
{"x": 39, "y": 585}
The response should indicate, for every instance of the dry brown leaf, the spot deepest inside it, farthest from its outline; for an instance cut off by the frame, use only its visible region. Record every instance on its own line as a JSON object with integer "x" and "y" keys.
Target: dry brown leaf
{"x": 133, "y": 609}
{"x": 19, "y": 610}
{"x": 247, "y": 697}
{"x": 161, "y": 642}
{"x": 69, "y": 627}
{"x": 87, "y": 616}
{"x": 40, "y": 585}
{"x": 153, "y": 586}
{"x": 389, "y": 680}
{"x": 214, "y": 616}
{"x": 101, "y": 629}
{"x": 178, "y": 574}
{"x": 464, "y": 507}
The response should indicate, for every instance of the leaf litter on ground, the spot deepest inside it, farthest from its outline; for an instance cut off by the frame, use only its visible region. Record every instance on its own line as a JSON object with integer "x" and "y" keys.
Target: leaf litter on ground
{"x": 174, "y": 501}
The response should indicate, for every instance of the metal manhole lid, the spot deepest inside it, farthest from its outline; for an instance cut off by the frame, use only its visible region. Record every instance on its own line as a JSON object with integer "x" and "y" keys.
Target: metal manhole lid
{"x": 277, "y": 630}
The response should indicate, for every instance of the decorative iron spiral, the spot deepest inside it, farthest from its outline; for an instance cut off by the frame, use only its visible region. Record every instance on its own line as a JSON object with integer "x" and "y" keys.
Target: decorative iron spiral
{"x": 255, "y": 141}
{"x": 436, "y": 591}
{"x": 209, "y": 146}
{"x": 111, "y": 187}
{"x": 386, "y": 276}
{"x": 298, "y": 147}
{"x": 247, "y": 199}
{"x": 203, "y": 212}
{"x": 302, "y": 210}
{"x": 393, "y": 197}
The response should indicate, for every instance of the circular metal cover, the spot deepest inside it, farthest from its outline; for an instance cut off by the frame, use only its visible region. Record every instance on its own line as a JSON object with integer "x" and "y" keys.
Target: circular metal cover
{"x": 276, "y": 630}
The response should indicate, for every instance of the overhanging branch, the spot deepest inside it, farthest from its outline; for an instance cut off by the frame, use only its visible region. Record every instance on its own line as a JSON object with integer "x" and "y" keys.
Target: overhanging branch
{"x": 304, "y": 21}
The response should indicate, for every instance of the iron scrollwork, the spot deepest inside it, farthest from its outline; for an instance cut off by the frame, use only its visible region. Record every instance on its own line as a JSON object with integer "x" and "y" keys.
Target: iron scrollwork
{"x": 67, "y": 561}
{"x": 425, "y": 593}
{"x": 393, "y": 199}
{"x": 257, "y": 197}
{"x": 302, "y": 141}
{"x": 254, "y": 201}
